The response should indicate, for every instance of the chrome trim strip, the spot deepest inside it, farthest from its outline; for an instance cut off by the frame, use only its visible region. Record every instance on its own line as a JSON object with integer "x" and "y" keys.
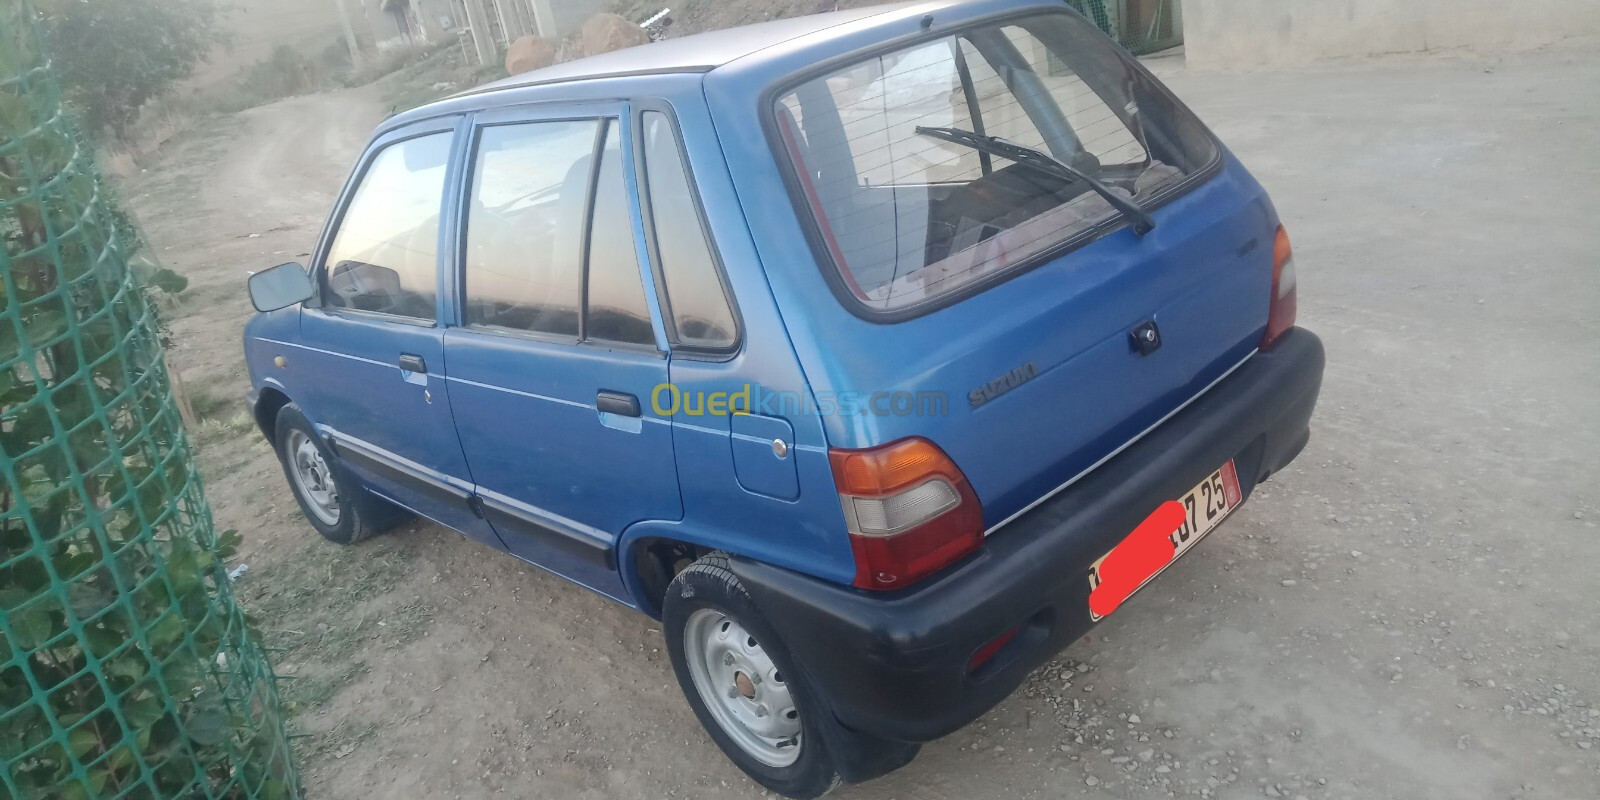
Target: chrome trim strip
{"x": 397, "y": 462}
{"x": 1125, "y": 445}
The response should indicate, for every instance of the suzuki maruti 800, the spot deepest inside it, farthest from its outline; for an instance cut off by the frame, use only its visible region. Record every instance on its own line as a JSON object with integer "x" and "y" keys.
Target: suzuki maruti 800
{"x": 879, "y": 353}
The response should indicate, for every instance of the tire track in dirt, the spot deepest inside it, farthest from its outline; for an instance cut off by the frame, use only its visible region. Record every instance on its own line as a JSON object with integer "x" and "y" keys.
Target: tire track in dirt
{"x": 296, "y": 152}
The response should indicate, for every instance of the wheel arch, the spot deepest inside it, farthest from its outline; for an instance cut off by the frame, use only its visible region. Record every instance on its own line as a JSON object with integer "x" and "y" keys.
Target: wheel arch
{"x": 269, "y": 402}
{"x": 650, "y": 555}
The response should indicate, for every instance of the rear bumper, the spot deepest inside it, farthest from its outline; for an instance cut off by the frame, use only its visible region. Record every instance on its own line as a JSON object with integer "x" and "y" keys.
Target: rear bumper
{"x": 896, "y": 666}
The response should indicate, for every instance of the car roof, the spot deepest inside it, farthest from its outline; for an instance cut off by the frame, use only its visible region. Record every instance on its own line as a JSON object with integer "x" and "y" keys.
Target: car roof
{"x": 700, "y": 52}
{"x": 753, "y": 46}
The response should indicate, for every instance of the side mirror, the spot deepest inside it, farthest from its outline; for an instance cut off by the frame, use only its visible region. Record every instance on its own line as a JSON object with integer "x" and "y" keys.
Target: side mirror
{"x": 280, "y": 287}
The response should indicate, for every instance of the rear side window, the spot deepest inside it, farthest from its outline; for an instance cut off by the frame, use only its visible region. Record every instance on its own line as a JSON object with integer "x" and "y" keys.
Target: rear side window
{"x": 384, "y": 256}
{"x": 699, "y": 306}
{"x": 907, "y": 218}
{"x": 541, "y": 209}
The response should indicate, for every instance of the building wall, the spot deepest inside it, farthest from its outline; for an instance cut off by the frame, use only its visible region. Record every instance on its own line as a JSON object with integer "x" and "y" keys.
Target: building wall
{"x": 427, "y": 20}
{"x": 1222, "y": 34}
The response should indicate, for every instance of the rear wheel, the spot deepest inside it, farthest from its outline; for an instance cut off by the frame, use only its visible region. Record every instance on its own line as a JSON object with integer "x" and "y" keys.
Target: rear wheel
{"x": 335, "y": 503}
{"x": 743, "y": 685}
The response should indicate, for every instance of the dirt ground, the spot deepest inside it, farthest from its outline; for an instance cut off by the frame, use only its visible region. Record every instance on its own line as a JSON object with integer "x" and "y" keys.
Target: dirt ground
{"x": 1409, "y": 611}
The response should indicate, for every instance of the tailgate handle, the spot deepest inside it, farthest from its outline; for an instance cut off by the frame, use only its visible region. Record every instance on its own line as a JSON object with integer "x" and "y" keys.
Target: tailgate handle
{"x": 413, "y": 363}
{"x": 620, "y": 403}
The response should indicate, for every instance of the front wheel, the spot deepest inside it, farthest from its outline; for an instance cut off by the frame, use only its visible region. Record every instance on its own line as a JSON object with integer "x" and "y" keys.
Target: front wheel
{"x": 337, "y": 505}
{"x": 742, "y": 683}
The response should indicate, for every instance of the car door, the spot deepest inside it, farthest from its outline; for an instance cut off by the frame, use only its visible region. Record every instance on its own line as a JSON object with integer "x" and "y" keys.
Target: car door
{"x": 370, "y": 342}
{"x": 559, "y": 344}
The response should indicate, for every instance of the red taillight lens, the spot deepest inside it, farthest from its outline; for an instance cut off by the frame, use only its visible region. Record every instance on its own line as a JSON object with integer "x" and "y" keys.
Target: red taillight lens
{"x": 909, "y": 509}
{"x": 1281, "y": 316}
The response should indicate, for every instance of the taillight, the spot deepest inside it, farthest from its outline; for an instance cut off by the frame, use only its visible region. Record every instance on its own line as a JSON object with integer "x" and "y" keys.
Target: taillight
{"x": 909, "y": 509}
{"x": 1280, "y": 317}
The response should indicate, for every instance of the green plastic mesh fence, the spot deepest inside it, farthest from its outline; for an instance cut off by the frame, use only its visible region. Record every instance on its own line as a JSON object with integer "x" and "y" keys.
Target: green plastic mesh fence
{"x": 1141, "y": 26}
{"x": 127, "y": 670}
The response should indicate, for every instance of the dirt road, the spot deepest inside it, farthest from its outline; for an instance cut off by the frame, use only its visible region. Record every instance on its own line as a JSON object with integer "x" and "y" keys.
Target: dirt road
{"x": 1409, "y": 611}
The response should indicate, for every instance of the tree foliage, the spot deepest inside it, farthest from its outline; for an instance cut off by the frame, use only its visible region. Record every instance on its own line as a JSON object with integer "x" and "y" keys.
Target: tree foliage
{"x": 113, "y": 56}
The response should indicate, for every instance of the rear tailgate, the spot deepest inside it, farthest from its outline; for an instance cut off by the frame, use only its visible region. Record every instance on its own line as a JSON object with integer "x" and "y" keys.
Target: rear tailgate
{"x": 1040, "y": 374}
{"x": 966, "y": 274}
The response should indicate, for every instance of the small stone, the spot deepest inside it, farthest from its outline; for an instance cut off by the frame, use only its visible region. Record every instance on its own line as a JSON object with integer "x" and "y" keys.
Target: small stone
{"x": 1133, "y": 719}
{"x": 1355, "y": 553}
{"x": 1163, "y": 769}
{"x": 1091, "y": 781}
{"x": 1289, "y": 581}
{"x": 1146, "y": 754}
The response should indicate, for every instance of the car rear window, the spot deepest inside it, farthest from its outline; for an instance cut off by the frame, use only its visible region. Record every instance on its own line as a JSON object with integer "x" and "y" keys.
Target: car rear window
{"x": 907, "y": 218}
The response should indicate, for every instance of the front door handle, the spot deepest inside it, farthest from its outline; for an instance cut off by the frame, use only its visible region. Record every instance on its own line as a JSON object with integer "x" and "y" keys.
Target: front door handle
{"x": 620, "y": 403}
{"x": 413, "y": 363}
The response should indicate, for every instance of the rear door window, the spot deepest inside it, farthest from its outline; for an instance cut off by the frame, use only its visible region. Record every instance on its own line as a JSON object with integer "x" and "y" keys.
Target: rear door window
{"x": 616, "y": 306}
{"x": 525, "y": 221}
{"x": 384, "y": 256}
{"x": 549, "y": 242}
{"x": 907, "y": 218}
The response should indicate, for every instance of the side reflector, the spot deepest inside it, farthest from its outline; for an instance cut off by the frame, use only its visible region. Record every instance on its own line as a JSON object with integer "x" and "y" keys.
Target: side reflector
{"x": 991, "y": 649}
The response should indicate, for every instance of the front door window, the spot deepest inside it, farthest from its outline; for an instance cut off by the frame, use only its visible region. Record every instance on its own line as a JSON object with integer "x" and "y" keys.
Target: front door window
{"x": 385, "y": 254}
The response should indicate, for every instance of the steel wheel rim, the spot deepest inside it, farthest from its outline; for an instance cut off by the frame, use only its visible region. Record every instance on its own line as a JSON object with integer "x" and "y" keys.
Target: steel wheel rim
{"x": 313, "y": 480}
{"x": 742, "y": 687}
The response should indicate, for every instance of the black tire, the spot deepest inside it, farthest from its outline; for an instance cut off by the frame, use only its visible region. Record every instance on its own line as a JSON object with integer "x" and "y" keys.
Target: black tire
{"x": 360, "y": 514}
{"x": 709, "y": 584}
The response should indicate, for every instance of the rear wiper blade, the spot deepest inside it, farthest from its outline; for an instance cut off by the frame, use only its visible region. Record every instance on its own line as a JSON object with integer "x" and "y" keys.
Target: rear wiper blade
{"x": 1046, "y": 163}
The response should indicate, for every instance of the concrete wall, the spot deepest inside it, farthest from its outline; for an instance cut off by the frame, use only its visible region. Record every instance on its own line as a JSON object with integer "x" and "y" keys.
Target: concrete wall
{"x": 427, "y": 20}
{"x": 1224, "y": 34}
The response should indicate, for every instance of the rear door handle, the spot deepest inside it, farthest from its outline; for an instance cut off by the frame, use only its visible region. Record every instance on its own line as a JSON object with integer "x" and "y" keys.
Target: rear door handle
{"x": 413, "y": 363}
{"x": 620, "y": 403}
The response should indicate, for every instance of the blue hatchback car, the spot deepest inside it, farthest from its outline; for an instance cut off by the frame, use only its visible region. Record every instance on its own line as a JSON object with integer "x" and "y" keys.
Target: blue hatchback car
{"x": 878, "y": 353}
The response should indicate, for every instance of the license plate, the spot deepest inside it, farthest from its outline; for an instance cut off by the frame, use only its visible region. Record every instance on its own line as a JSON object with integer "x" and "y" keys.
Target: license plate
{"x": 1165, "y": 535}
